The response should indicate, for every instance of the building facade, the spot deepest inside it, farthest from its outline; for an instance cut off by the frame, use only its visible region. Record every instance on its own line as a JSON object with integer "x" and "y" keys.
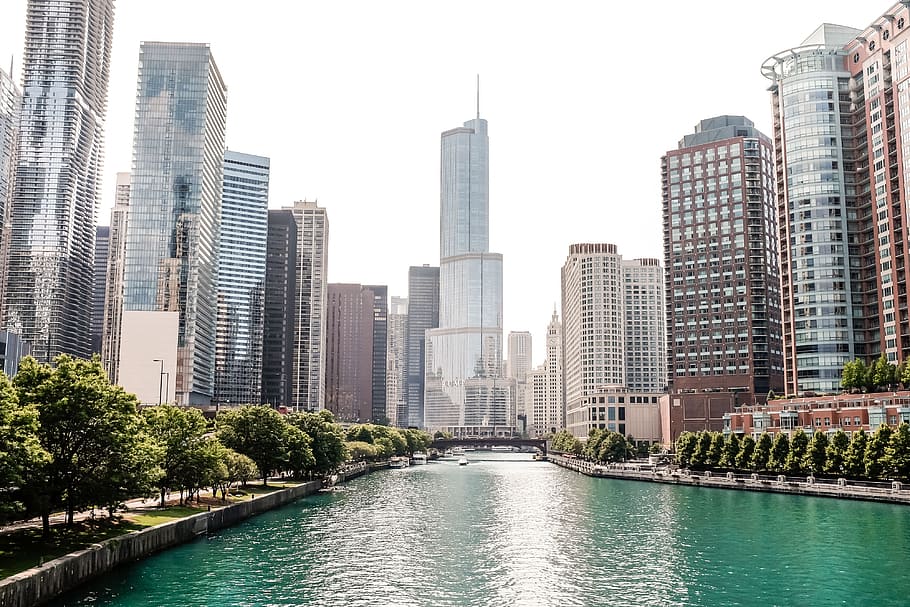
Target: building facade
{"x": 631, "y": 413}
{"x": 99, "y": 285}
{"x": 12, "y": 350}
{"x": 10, "y": 104}
{"x": 465, "y": 391}
{"x": 279, "y": 308}
{"x": 241, "y": 279}
{"x": 423, "y": 315}
{"x": 645, "y": 323}
{"x": 549, "y": 409}
{"x": 175, "y": 204}
{"x": 349, "y": 352}
{"x": 380, "y": 351}
{"x": 722, "y": 279}
{"x": 113, "y": 280}
{"x": 308, "y": 373}
{"x": 518, "y": 366}
{"x": 58, "y": 173}
{"x": 397, "y": 362}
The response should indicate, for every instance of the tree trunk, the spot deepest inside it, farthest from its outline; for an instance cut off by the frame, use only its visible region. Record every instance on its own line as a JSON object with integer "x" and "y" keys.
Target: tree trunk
{"x": 162, "y": 498}
{"x": 46, "y": 524}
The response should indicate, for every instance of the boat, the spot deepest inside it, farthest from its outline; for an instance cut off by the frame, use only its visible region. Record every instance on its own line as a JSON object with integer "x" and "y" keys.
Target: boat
{"x": 462, "y": 461}
{"x": 458, "y": 451}
{"x": 466, "y": 449}
{"x": 448, "y": 453}
{"x": 501, "y": 448}
{"x": 399, "y": 462}
{"x": 419, "y": 458}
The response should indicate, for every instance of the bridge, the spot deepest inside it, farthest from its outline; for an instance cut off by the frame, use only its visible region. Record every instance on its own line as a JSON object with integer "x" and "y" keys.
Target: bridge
{"x": 489, "y": 441}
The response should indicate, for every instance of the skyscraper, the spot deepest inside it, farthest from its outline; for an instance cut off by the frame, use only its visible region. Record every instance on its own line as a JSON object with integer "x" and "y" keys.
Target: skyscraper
{"x": 646, "y": 334}
{"x": 241, "y": 279}
{"x": 380, "y": 351}
{"x": 308, "y": 375}
{"x": 423, "y": 315}
{"x": 61, "y": 146}
{"x": 722, "y": 280}
{"x": 175, "y": 208}
{"x": 549, "y": 408}
{"x": 99, "y": 285}
{"x": 280, "y": 292}
{"x": 10, "y": 102}
{"x": 397, "y": 362}
{"x": 518, "y": 366}
{"x": 465, "y": 390}
{"x": 113, "y": 297}
{"x": 349, "y": 352}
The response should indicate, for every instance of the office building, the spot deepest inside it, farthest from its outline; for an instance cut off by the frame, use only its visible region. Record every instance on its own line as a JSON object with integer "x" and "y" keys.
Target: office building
{"x": 280, "y": 307}
{"x": 646, "y": 334}
{"x": 241, "y": 279}
{"x": 549, "y": 405}
{"x": 722, "y": 279}
{"x": 175, "y": 208}
{"x": 113, "y": 297}
{"x": 423, "y": 315}
{"x": 58, "y": 173}
{"x": 397, "y": 362}
{"x": 349, "y": 352}
{"x": 518, "y": 365}
{"x": 12, "y": 350}
{"x": 99, "y": 285}
{"x": 380, "y": 351}
{"x": 465, "y": 391}
{"x": 308, "y": 373}
{"x": 10, "y": 103}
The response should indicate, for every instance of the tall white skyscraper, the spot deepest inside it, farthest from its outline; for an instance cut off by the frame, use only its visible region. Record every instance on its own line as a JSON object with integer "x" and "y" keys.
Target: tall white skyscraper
{"x": 518, "y": 366}
{"x": 645, "y": 324}
{"x": 465, "y": 389}
{"x": 552, "y": 412}
{"x": 10, "y": 102}
{"x": 61, "y": 147}
{"x": 397, "y": 362}
{"x": 113, "y": 296}
{"x": 308, "y": 373}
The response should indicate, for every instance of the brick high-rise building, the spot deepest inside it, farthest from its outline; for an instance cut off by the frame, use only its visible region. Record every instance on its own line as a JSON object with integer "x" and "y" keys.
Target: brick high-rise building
{"x": 349, "y": 351}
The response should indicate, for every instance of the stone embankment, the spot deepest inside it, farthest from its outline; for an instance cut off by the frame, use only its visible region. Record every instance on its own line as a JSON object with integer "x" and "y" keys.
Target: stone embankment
{"x": 41, "y": 584}
{"x": 894, "y": 492}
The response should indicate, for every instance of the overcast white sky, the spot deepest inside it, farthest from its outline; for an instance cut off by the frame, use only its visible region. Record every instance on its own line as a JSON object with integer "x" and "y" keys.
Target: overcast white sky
{"x": 348, "y": 99}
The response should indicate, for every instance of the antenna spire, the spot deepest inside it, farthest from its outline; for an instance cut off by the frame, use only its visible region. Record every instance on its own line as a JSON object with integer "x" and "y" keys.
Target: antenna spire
{"x": 478, "y": 96}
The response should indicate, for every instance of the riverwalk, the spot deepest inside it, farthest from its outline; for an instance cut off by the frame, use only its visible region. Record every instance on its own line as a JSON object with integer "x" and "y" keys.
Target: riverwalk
{"x": 893, "y": 492}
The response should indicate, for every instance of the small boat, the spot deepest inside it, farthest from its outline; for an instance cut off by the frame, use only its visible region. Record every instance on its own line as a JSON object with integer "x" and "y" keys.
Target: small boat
{"x": 466, "y": 449}
{"x": 399, "y": 462}
{"x": 458, "y": 451}
{"x": 419, "y": 458}
{"x": 462, "y": 461}
{"x": 448, "y": 453}
{"x": 501, "y": 448}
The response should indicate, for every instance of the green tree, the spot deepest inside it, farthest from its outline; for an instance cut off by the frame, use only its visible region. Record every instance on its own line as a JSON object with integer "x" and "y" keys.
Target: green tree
{"x": 686, "y": 444}
{"x": 240, "y": 468}
{"x": 817, "y": 454}
{"x": 21, "y": 453}
{"x": 746, "y": 450}
{"x": 702, "y": 450}
{"x": 874, "y": 459}
{"x": 854, "y": 375}
{"x": 615, "y": 448}
{"x": 795, "y": 461}
{"x": 897, "y": 453}
{"x": 730, "y": 451}
{"x": 761, "y": 457}
{"x": 258, "y": 432}
{"x": 177, "y": 432}
{"x": 361, "y": 450}
{"x": 716, "y": 450}
{"x": 596, "y": 438}
{"x": 88, "y": 428}
{"x": 360, "y": 432}
{"x": 882, "y": 373}
{"x": 854, "y": 458}
{"x": 300, "y": 452}
{"x": 780, "y": 449}
{"x": 203, "y": 466}
{"x": 836, "y": 453}
{"x": 327, "y": 439}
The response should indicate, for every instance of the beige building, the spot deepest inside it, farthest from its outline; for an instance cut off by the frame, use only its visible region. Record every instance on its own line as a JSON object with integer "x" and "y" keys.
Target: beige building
{"x": 148, "y": 355}
{"x": 631, "y": 413}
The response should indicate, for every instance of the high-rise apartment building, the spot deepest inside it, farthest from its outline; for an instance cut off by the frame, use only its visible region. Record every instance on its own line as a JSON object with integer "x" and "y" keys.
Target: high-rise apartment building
{"x": 10, "y": 103}
{"x": 841, "y": 117}
{"x": 518, "y": 365}
{"x": 722, "y": 279}
{"x": 380, "y": 351}
{"x": 646, "y": 334}
{"x": 99, "y": 285}
{"x": 397, "y": 362}
{"x": 349, "y": 352}
{"x": 280, "y": 308}
{"x": 175, "y": 208}
{"x": 113, "y": 279}
{"x": 308, "y": 374}
{"x": 61, "y": 146}
{"x": 241, "y": 279}
{"x": 465, "y": 391}
{"x": 423, "y": 315}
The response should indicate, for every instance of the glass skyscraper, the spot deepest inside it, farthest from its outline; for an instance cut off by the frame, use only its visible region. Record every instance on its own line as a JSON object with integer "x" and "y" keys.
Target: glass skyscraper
{"x": 175, "y": 203}
{"x": 10, "y": 100}
{"x": 423, "y": 314}
{"x": 241, "y": 279}
{"x": 465, "y": 389}
{"x": 52, "y": 235}
{"x": 280, "y": 309}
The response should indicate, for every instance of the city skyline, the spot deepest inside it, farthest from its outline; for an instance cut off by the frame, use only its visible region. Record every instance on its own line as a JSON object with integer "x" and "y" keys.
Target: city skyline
{"x": 524, "y": 82}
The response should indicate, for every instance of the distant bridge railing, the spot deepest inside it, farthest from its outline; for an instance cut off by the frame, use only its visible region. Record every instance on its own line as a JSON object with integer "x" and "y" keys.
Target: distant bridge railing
{"x": 489, "y": 441}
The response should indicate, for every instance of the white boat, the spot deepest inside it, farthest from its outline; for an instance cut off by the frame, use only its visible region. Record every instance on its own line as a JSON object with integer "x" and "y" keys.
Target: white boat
{"x": 419, "y": 459}
{"x": 399, "y": 462}
{"x": 458, "y": 451}
{"x": 501, "y": 448}
{"x": 448, "y": 453}
{"x": 462, "y": 461}
{"x": 466, "y": 449}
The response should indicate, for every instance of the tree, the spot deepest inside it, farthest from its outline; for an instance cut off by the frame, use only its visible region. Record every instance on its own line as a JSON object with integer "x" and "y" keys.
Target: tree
{"x": 795, "y": 460}
{"x": 762, "y": 454}
{"x": 854, "y": 458}
{"x": 730, "y": 451}
{"x": 746, "y": 450}
{"x": 21, "y": 453}
{"x": 596, "y": 438}
{"x": 327, "y": 439}
{"x": 836, "y": 452}
{"x": 715, "y": 451}
{"x": 360, "y": 450}
{"x": 817, "y": 454}
{"x": 703, "y": 447}
{"x": 300, "y": 452}
{"x": 89, "y": 429}
{"x": 685, "y": 448}
{"x": 882, "y": 373}
{"x": 854, "y": 375}
{"x": 258, "y": 432}
{"x": 897, "y": 453}
{"x": 240, "y": 468}
{"x": 874, "y": 459}
{"x": 177, "y": 432}
{"x": 615, "y": 448}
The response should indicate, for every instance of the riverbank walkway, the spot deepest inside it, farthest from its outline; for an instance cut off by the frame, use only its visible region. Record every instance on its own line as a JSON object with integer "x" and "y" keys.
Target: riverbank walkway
{"x": 893, "y": 492}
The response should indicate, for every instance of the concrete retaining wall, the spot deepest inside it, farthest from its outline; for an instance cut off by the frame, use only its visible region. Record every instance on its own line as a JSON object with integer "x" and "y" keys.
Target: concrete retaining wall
{"x": 40, "y": 584}
{"x": 895, "y": 493}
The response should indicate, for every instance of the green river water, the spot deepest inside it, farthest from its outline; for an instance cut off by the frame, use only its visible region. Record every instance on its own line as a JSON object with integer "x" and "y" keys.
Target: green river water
{"x": 506, "y": 530}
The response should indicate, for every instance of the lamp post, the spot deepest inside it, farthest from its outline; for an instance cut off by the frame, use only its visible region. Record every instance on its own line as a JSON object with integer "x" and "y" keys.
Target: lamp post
{"x": 167, "y": 387}
{"x": 160, "y": 376}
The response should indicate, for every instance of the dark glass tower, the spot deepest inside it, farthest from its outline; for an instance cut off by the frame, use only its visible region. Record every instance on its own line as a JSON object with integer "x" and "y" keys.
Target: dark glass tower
{"x": 280, "y": 291}
{"x": 423, "y": 314}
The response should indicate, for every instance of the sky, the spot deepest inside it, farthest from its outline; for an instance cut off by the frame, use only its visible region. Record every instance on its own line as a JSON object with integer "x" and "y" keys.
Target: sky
{"x": 348, "y": 99}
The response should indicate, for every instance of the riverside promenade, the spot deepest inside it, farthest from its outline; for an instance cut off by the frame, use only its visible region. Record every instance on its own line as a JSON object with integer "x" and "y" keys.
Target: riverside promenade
{"x": 893, "y": 492}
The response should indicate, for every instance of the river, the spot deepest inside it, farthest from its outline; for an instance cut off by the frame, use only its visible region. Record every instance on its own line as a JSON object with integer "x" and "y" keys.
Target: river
{"x": 506, "y": 530}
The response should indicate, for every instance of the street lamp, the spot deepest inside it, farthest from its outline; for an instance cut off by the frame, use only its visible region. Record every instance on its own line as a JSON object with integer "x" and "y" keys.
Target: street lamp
{"x": 167, "y": 387}
{"x": 160, "y": 377}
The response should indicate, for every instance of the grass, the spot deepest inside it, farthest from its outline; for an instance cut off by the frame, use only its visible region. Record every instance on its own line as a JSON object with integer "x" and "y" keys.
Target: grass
{"x": 150, "y": 518}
